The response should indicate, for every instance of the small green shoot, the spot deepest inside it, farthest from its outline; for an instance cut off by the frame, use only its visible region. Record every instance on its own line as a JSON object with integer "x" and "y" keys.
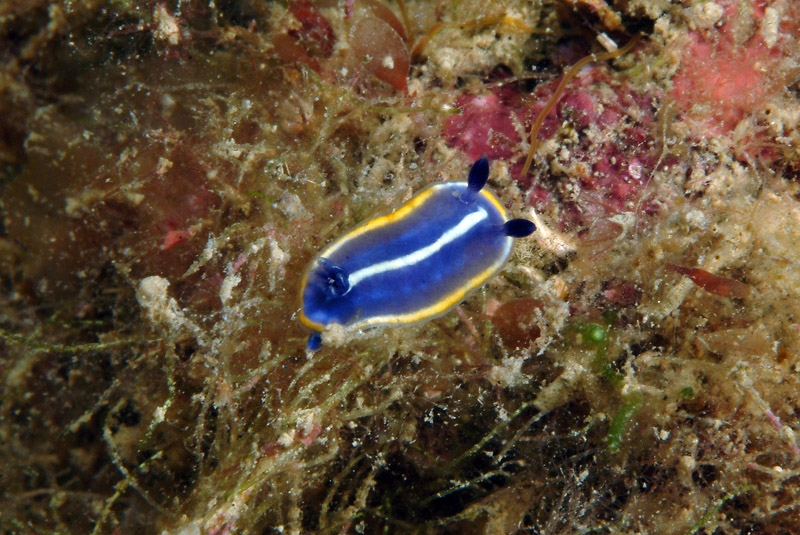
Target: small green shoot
{"x": 594, "y": 334}
{"x": 713, "y": 510}
{"x": 620, "y": 421}
{"x": 259, "y": 195}
{"x": 597, "y": 335}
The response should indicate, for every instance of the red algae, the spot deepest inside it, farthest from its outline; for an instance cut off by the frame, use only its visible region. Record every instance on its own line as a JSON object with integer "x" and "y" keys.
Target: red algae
{"x": 516, "y": 321}
{"x": 380, "y": 51}
{"x": 719, "y": 92}
{"x": 485, "y": 124}
{"x": 308, "y": 42}
{"x": 611, "y": 160}
{"x": 715, "y": 284}
{"x": 376, "y": 41}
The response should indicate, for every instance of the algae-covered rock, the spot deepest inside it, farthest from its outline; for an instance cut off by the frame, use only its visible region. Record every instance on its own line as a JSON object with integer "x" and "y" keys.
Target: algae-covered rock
{"x": 168, "y": 169}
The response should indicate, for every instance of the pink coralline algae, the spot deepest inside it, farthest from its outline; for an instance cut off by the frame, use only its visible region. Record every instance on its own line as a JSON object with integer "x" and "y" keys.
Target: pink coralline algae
{"x": 485, "y": 125}
{"x": 605, "y": 127}
{"x": 728, "y": 73}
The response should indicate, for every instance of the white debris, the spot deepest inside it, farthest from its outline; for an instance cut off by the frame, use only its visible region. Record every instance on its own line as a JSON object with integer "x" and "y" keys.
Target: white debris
{"x": 152, "y": 296}
{"x": 278, "y": 260}
{"x": 509, "y": 373}
{"x": 769, "y": 26}
{"x": 705, "y": 15}
{"x": 228, "y": 284}
{"x": 167, "y": 28}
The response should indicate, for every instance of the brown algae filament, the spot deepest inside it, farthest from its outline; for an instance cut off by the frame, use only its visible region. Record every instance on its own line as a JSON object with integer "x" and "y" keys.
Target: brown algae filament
{"x": 559, "y": 92}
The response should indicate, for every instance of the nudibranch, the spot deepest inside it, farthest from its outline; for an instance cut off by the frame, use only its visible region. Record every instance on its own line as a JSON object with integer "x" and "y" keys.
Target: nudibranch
{"x": 413, "y": 264}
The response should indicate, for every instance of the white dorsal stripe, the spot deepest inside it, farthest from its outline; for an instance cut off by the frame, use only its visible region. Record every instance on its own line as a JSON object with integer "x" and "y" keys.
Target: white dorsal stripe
{"x": 463, "y": 226}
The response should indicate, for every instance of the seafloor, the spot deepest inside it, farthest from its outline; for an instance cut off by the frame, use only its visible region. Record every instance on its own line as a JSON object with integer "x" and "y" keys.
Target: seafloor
{"x": 168, "y": 168}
